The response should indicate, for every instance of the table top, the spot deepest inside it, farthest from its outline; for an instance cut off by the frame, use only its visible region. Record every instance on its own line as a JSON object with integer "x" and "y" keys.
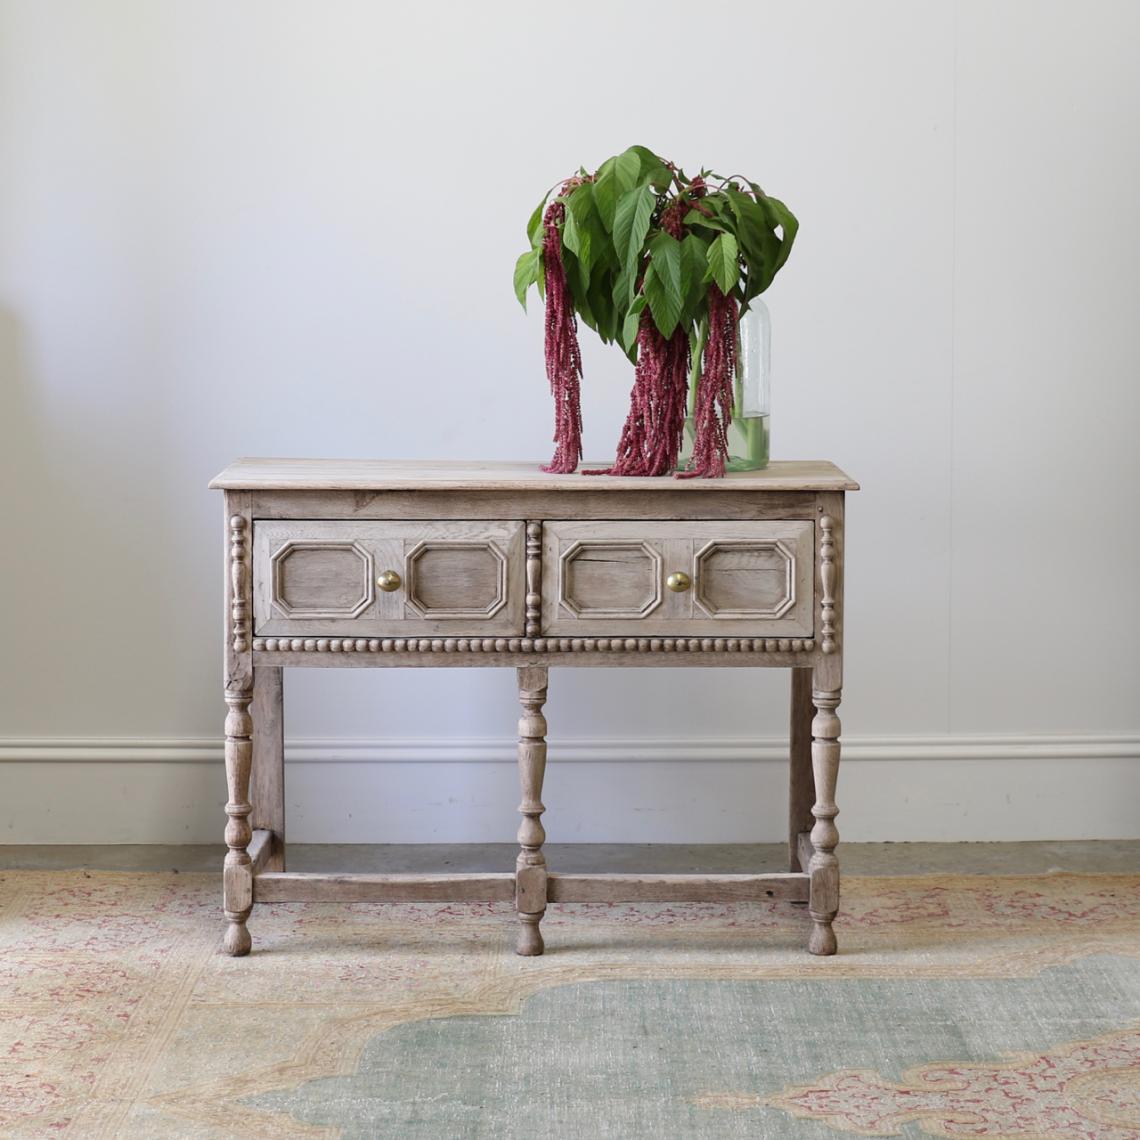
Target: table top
{"x": 467, "y": 475}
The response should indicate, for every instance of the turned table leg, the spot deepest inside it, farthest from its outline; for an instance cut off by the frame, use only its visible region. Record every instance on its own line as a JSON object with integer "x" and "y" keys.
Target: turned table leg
{"x": 824, "y": 866}
{"x": 530, "y": 868}
{"x": 237, "y": 875}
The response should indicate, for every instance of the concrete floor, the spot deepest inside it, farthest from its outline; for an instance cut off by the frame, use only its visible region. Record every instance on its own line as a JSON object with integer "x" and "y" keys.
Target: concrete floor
{"x": 1119, "y": 856}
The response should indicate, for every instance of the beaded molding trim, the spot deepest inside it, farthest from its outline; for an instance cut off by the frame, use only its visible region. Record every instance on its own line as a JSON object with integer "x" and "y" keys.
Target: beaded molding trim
{"x": 533, "y": 645}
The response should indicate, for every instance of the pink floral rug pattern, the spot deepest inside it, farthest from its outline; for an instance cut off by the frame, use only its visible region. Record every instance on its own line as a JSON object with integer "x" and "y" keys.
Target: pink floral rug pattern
{"x": 120, "y": 1018}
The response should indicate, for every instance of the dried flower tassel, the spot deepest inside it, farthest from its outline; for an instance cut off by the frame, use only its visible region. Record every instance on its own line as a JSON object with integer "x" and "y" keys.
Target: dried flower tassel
{"x": 563, "y": 356}
{"x": 655, "y": 427}
{"x": 651, "y": 438}
{"x": 713, "y": 413}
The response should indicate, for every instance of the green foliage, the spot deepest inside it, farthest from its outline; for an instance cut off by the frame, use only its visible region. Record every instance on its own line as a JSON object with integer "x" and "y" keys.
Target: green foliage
{"x": 534, "y": 226}
{"x": 694, "y": 259}
{"x": 724, "y": 262}
{"x": 615, "y": 176}
{"x": 664, "y": 289}
{"x": 630, "y": 326}
{"x": 620, "y": 261}
{"x": 526, "y": 274}
{"x": 631, "y": 224}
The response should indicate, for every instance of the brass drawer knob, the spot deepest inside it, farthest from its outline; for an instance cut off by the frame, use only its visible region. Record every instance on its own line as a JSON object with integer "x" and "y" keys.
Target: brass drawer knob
{"x": 389, "y": 581}
{"x": 678, "y": 581}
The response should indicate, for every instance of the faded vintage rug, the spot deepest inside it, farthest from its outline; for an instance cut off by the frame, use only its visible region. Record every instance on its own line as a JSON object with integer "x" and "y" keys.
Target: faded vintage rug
{"x": 958, "y": 1006}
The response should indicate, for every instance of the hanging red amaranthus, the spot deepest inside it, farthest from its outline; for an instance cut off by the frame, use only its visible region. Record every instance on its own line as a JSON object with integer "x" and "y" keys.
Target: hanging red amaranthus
{"x": 651, "y": 438}
{"x": 651, "y": 258}
{"x": 713, "y": 412}
{"x": 563, "y": 357}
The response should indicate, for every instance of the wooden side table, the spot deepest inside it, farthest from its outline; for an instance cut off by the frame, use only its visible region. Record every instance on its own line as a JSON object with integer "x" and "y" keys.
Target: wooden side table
{"x": 350, "y": 564}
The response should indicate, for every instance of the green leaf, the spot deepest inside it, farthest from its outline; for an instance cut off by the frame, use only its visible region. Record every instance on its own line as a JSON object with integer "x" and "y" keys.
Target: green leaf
{"x": 526, "y": 273}
{"x": 663, "y": 283}
{"x": 534, "y": 228}
{"x": 663, "y": 304}
{"x": 604, "y": 251}
{"x": 653, "y": 168}
{"x": 758, "y": 243}
{"x": 628, "y": 166}
{"x": 628, "y": 267}
{"x": 647, "y": 157}
{"x": 779, "y": 214}
{"x": 583, "y": 232}
{"x": 576, "y": 269}
{"x": 605, "y": 193}
{"x": 578, "y": 284}
{"x": 580, "y": 202}
{"x": 578, "y": 241}
{"x": 631, "y": 224}
{"x": 570, "y": 232}
{"x": 629, "y": 329}
{"x": 606, "y": 316}
{"x": 631, "y": 322}
{"x": 616, "y": 176}
{"x": 696, "y": 218}
{"x": 624, "y": 285}
{"x": 694, "y": 262}
{"x": 717, "y": 202}
{"x": 664, "y": 244}
{"x": 724, "y": 262}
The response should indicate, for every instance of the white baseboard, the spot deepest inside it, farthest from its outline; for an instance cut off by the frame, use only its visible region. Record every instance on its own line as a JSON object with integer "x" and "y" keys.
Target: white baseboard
{"x": 729, "y": 789}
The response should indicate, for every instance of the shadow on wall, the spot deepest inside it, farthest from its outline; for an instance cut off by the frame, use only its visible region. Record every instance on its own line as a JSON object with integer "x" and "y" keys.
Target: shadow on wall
{"x": 84, "y": 587}
{"x": 27, "y": 570}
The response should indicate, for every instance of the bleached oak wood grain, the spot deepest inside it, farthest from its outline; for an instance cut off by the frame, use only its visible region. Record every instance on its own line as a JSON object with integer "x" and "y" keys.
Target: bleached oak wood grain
{"x": 751, "y": 579}
{"x": 303, "y": 886}
{"x": 237, "y": 870}
{"x": 824, "y": 864}
{"x": 530, "y": 867}
{"x": 533, "y": 579}
{"x": 804, "y": 849}
{"x": 267, "y": 776}
{"x": 366, "y": 564}
{"x": 453, "y": 578}
{"x": 546, "y": 503}
{"x": 252, "y": 474}
{"x": 604, "y": 888}
{"x": 259, "y": 851}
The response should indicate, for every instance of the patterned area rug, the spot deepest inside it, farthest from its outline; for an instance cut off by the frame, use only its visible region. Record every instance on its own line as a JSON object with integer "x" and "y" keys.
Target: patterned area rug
{"x": 958, "y": 1006}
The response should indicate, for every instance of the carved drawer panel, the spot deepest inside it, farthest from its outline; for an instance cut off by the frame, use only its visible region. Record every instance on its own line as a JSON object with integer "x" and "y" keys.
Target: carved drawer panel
{"x": 388, "y": 578}
{"x": 678, "y": 578}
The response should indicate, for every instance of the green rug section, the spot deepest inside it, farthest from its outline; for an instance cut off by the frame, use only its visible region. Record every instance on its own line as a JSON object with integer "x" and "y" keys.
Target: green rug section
{"x": 633, "y": 1059}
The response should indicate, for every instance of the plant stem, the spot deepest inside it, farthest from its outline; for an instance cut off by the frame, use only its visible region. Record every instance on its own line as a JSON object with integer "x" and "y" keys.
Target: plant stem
{"x": 695, "y": 367}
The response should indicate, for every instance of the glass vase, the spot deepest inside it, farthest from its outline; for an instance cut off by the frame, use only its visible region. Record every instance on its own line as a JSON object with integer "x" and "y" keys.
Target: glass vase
{"x": 748, "y": 433}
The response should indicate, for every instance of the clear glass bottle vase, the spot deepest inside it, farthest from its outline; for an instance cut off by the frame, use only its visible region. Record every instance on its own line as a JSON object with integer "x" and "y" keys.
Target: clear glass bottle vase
{"x": 748, "y": 433}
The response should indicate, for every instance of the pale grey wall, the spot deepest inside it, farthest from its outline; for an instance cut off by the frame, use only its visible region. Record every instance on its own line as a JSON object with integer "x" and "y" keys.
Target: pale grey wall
{"x": 288, "y": 228}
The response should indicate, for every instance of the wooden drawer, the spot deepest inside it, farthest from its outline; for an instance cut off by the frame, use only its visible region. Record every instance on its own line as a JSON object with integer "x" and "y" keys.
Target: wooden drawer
{"x": 455, "y": 578}
{"x": 744, "y": 578}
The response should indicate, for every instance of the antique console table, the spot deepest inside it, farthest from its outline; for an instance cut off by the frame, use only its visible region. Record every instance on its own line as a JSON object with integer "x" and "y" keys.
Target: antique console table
{"x": 349, "y": 564}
